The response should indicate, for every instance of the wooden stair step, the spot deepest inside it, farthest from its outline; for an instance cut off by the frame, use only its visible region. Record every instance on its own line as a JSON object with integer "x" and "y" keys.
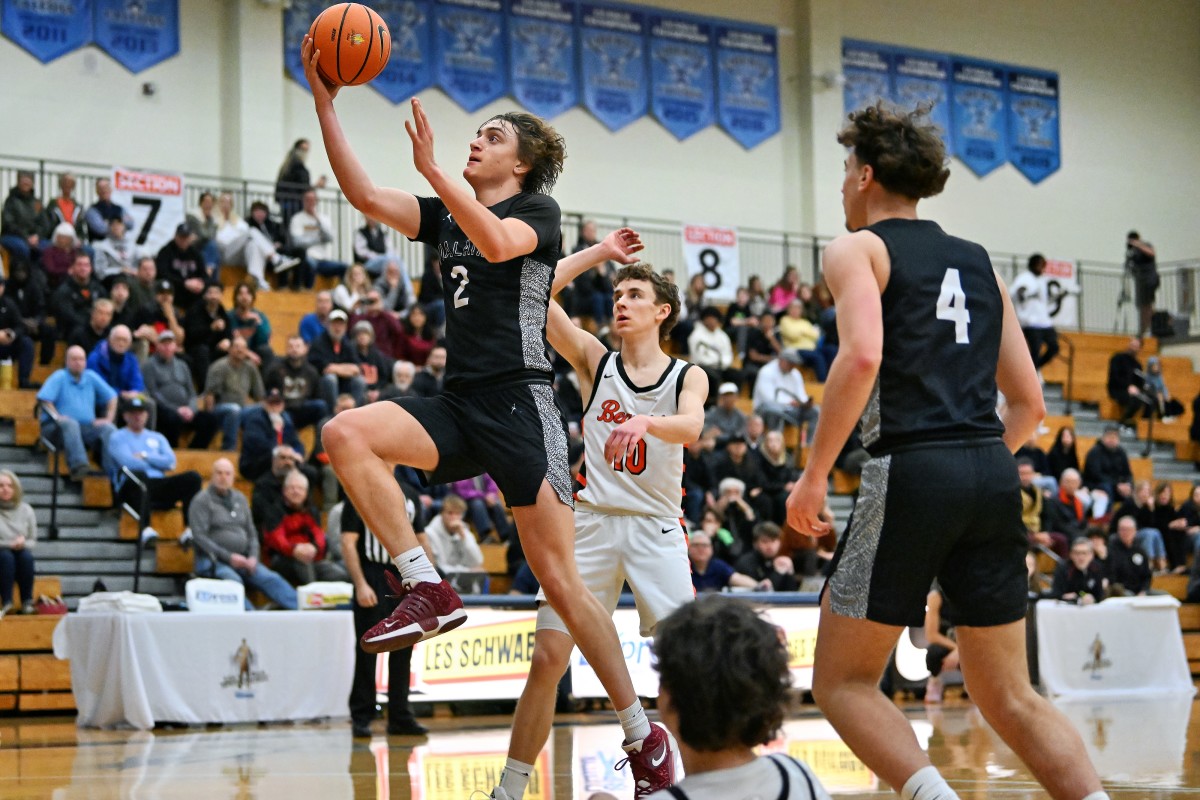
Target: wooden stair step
{"x": 24, "y": 634}
{"x": 49, "y": 585}
{"x": 169, "y": 524}
{"x": 1174, "y": 585}
{"x": 42, "y": 672}
{"x": 97, "y": 492}
{"x": 1189, "y": 617}
{"x": 171, "y": 559}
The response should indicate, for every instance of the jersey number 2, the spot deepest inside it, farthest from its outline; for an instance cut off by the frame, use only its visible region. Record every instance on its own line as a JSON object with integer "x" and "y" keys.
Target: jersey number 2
{"x": 634, "y": 463}
{"x": 460, "y": 272}
{"x": 952, "y": 305}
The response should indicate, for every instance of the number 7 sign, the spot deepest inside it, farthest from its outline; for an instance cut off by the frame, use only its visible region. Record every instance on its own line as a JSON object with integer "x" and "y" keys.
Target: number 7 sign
{"x": 154, "y": 200}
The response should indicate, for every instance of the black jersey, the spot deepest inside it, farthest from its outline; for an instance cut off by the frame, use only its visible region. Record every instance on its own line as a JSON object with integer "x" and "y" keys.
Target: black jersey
{"x": 495, "y": 313}
{"x": 942, "y": 318}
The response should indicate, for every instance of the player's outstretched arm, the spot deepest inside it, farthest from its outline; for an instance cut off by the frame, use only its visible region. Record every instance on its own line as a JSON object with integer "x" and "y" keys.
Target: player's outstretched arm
{"x": 622, "y": 246}
{"x": 393, "y": 207}
{"x": 679, "y": 428}
{"x": 1017, "y": 380}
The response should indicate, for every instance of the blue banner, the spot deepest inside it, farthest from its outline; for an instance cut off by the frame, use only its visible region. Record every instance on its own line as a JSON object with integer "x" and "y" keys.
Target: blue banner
{"x": 410, "y": 67}
{"x": 681, "y": 73}
{"x": 612, "y": 45}
{"x": 137, "y": 33}
{"x": 47, "y": 30}
{"x": 471, "y": 56}
{"x": 979, "y": 92}
{"x": 867, "y": 67}
{"x": 747, "y": 82}
{"x": 541, "y": 50}
{"x": 920, "y": 78}
{"x": 1033, "y": 123}
{"x": 298, "y": 17}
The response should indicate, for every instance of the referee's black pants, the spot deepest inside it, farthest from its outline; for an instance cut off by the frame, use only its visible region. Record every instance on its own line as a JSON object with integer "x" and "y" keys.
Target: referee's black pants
{"x": 362, "y": 691}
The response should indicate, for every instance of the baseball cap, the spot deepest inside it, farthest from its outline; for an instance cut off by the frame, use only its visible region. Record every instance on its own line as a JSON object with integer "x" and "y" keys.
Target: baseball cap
{"x": 728, "y": 388}
{"x": 135, "y": 404}
{"x": 337, "y": 313}
{"x": 164, "y": 287}
{"x": 792, "y": 357}
{"x": 183, "y": 230}
{"x": 363, "y": 325}
{"x": 166, "y": 335}
{"x": 274, "y": 395}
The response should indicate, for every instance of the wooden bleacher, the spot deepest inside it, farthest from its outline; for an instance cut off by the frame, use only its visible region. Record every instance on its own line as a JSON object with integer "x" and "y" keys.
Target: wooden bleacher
{"x": 31, "y": 678}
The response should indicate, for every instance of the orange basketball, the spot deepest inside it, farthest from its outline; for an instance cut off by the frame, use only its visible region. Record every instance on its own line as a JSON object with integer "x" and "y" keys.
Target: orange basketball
{"x": 354, "y": 43}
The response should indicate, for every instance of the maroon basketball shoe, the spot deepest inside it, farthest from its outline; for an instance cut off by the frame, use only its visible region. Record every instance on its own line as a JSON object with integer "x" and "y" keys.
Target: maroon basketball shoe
{"x": 425, "y": 610}
{"x": 651, "y": 762}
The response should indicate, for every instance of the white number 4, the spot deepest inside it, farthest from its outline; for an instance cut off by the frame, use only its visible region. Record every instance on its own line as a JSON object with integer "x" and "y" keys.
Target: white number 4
{"x": 952, "y": 305}
{"x": 461, "y": 272}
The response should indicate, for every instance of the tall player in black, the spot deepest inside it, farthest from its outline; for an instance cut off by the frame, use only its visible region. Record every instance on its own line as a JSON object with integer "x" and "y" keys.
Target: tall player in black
{"x": 927, "y": 335}
{"x": 498, "y": 240}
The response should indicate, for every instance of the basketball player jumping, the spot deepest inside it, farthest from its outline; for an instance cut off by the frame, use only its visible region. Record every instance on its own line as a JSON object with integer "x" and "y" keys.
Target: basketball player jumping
{"x": 928, "y": 333}
{"x": 498, "y": 242}
{"x": 642, "y": 407}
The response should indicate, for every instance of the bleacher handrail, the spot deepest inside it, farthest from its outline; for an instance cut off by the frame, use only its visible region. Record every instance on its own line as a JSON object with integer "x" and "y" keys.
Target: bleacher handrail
{"x": 138, "y": 516}
{"x": 52, "y": 529}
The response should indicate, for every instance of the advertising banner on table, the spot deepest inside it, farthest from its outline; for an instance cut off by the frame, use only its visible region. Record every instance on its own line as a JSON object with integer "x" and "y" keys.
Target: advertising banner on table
{"x": 47, "y": 30}
{"x": 453, "y": 765}
{"x": 921, "y": 78}
{"x": 137, "y": 34}
{"x": 979, "y": 91}
{"x": 154, "y": 200}
{"x": 410, "y": 67}
{"x": 613, "y": 66}
{"x": 681, "y": 73}
{"x": 712, "y": 251}
{"x": 867, "y": 67}
{"x": 541, "y": 42}
{"x": 471, "y": 60}
{"x": 298, "y": 17}
{"x": 1062, "y": 290}
{"x": 747, "y": 82}
{"x": 1033, "y": 123}
{"x": 487, "y": 658}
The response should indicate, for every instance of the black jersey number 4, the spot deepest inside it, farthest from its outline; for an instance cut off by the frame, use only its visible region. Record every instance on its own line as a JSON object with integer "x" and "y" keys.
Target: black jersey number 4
{"x": 951, "y": 305}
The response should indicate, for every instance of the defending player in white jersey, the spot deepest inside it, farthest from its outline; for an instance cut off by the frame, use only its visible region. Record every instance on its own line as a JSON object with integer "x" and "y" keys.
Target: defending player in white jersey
{"x": 643, "y": 407}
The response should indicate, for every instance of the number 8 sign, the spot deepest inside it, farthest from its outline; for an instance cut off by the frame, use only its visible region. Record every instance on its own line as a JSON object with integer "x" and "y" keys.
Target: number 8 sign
{"x": 713, "y": 252}
{"x": 154, "y": 200}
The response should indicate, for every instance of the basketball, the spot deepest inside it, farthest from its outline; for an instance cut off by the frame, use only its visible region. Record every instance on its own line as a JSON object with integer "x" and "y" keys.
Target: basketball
{"x": 354, "y": 43}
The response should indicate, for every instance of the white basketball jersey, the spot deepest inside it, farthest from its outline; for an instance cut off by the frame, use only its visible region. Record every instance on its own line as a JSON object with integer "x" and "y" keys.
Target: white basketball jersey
{"x": 650, "y": 480}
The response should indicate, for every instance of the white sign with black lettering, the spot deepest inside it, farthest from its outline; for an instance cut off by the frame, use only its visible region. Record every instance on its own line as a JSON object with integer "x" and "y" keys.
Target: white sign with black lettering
{"x": 154, "y": 200}
{"x": 712, "y": 251}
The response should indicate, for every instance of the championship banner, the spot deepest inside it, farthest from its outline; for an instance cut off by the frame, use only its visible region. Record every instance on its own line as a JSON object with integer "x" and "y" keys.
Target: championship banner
{"x": 410, "y": 67}
{"x": 471, "y": 59}
{"x": 867, "y": 67}
{"x": 713, "y": 252}
{"x": 452, "y": 766}
{"x": 1033, "y": 122}
{"x": 541, "y": 41}
{"x": 298, "y": 17}
{"x": 978, "y": 93}
{"x": 747, "y": 82}
{"x": 139, "y": 34}
{"x": 924, "y": 78}
{"x": 1062, "y": 288}
{"x": 612, "y": 45}
{"x": 681, "y": 73}
{"x": 47, "y": 30}
{"x": 154, "y": 200}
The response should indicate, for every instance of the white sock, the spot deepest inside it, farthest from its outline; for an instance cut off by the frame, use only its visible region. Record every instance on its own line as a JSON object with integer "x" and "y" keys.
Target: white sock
{"x": 1101, "y": 795}
{"x": 927, "y": 784}
{"x": 515, "y": 778}
{"x": 633, "y": 722}
{"x": 414, "y": 566}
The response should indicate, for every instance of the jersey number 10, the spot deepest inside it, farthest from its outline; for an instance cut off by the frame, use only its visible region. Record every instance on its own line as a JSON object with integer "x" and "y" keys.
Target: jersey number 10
{"x": 634, "y": 463}
{"x": 952, "y": 305}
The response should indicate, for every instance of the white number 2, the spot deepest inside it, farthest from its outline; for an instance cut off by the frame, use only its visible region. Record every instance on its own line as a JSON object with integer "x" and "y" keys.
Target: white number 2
{"x": 952, "y": 305}
{"x": 461, "y": 272}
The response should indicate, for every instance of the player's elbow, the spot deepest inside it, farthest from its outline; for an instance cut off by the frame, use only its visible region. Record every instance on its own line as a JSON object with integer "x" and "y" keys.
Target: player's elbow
{"x": 863, "y": 360}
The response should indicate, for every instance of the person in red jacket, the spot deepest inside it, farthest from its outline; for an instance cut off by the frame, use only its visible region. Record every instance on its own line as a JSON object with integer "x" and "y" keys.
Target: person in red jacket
{"x": 295, "y": 542}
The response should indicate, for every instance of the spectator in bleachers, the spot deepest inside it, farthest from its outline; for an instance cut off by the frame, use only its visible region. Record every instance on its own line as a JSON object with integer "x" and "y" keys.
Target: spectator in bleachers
{"x": 206, "y": 332}
{"x": 726, "y": 546}
{"x": 55, "y": 260}
{"x": 739, "y": 320}
{"x": 454, "y": 546}
{"x": 429, "y": 381}
{"x": 313, "y": 323}
{"x": 784, "y": 291}
{"x": 20, "y": 220}
{"x": 124, "y": 312}
{"x": 736, "y": 461}
{"x": 779, "y": 476}
{"x": 710, "y": 348}
{"x": 104, "y": 209}
{"x": 1129, "y": 571}
{"x": 780, "y": 396}
{"x": 738, "y": 515}
{"x": 157, "y": 316}
{"x": 429, "y": 296}
{"x": 351, "y": 295}
{"x": 756, "y": 431}
{"x": 828, "y": 344}
{"x": 1098, "y": 536}
{"x": 299, "y": 382}
{"x": 1141, "y": 506}
{"x": 310, "y": 229}
{"x": 373, "y": 365}
{"x": 15, "y": 343}
{"x": 1079, "y": 578}
{"x": 1062, "y": 454}
{"x": 331, "y": 489}
{"x": 294, "y": 540}
{"x": 1162, "y": 402}
{"x": 26, "y": 287}
{"x": 1043, "y": 477}
{"x": 484, "y": 508}
{"x": 113, "y": 361}
{"x": 181, "y": 262}
{"x": 18, "y": 536}
{"x": 1031, "y": 299}
{"x": 389, "y": 334}
{"x": 265, "y": 426}
{"x": 116, "y": 254}
{"x": 251, "y": 245}
{"x": 232, "y": 384}
{"x": 712, "y": 574}
{"x": 1067, "y": 512}
{"x": 266, "y": 499}
{"x": 1188, "y": 519}
{"x": 1106, "y": 468}
{"x": 148, "y": 455}
{"x": 725, "y": 415}
{"x": 1126, "y": 382}
{"x": 204, "y": 222}
{"x": 1034, "y": 512}
{"x": 272, "y": 241}
{"x": 169, "y": 385}
{"x": 293, "y": 180}
{"x": 332, "y": 353}
{"x": 226, "y": 542}
{"x": 69, "y": 398}
{"x": 764, "y": 563}
{"x": 373, "y": 248}
{"x": 418, "y": 337}
{"x": 697, "y": 478}
{"x": 1172, "y": 528}
{"x": 591, "y": 292}
{"x": 799, "y": 335}
{"x": 144, "y": 283}
{"x": 403, "y": 373}
{"x": 64, "y": 208}
{"x": 251, "y": 324}
{"x": 1140, "y": 263}
{"x": 395, "y": 288}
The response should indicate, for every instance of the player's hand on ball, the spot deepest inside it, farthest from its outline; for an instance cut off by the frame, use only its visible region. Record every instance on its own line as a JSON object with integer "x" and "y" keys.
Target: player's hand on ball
{"x": 421, "y": 133}
{"x": 323, "y": 90}
{"x": 625, "y": 437}
{"x": 806, "y": 505}
{"x": 622, "y": 244}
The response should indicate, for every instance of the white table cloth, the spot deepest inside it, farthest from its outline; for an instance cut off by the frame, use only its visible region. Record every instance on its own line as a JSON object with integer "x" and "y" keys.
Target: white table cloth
{"x": 138, "y": 669}
{"x": 1129, "y": 646}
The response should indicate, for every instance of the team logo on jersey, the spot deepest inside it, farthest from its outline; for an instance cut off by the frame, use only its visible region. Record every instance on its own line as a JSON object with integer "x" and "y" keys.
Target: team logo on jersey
{"x": 610, "y": 411}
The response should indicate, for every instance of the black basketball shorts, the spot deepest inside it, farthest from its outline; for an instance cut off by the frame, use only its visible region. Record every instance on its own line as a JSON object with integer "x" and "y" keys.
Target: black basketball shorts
{"x": 513, "y": 432}
{"x": 945, "y": 510}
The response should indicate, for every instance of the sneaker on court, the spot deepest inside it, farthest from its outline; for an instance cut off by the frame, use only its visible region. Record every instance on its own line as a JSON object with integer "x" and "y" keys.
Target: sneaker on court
{"x": 425, "y": 610}
{"x": 651, "y": 762}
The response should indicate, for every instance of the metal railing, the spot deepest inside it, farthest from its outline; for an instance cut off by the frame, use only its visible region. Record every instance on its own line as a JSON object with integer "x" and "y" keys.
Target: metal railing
{"x": 1070, "y": 359}
{"x": 54, "y": 450}
{"x": 140, "y": 515}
